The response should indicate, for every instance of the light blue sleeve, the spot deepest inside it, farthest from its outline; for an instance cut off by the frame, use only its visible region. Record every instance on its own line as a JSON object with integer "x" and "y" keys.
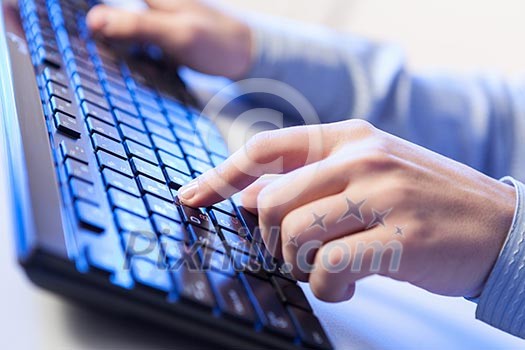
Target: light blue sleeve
{"x": 477, "y": 120}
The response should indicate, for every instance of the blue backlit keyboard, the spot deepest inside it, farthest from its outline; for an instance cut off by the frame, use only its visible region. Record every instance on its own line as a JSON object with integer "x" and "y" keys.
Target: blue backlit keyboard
{"x": 125, "y": 135}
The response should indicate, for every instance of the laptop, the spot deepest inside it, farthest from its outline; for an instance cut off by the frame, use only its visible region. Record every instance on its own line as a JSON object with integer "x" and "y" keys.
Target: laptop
{"x": 99, "y": 140}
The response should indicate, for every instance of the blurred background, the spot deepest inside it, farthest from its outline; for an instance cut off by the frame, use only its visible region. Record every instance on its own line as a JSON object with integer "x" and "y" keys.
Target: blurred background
{"x": 467, "y": 35}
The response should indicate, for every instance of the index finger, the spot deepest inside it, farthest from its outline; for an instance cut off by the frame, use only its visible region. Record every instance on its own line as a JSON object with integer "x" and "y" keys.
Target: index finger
{"x": 269, "y": 152}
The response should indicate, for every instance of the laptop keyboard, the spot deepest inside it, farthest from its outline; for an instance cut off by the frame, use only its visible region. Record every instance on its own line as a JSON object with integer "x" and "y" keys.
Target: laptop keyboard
{"x": 123, "y": 144}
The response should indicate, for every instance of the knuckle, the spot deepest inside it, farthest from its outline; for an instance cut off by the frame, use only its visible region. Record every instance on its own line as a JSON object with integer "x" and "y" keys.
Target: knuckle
{"x": 361, "y": 127}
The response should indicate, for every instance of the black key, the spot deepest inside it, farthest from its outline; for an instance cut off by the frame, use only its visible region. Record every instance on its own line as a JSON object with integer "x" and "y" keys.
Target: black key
{"x": 216, "y": 261}
{"x": 170, "y": 228}
{"x": 62, "y": 106}
{"x": 83, "y": 190}
{"x": 137, "y": 150}
{"x": 86, "y": 95}
{"x": 228, "y": 221}
{"x": 176, "y": 179}
{"x": 129, "y": 120}
{"x": 174, "y": 162}
{"x": 232, "y": 297}
{"x": 252, "y": 223}
{"x": 310, "y": 330}
{"x": 107, "y": 160}
{"x": 238, "y": 243}
{"x": 50, "y": 57}
{"x": 78, "y": 170}
{"x": 121, "y": 182}
{"x": 291, "y": 293}
{"x": 149, "y": 274}
{"x": 199, "y": 166}
{"x": 270, "y": 309}
{"x": 103, "y": 143}
{"x": 195, "y": 152}
{"x": 197, "y": 217}
{"x": 103, "y": 129}
{"x": 90, "y": 110}
{"x": 159, "y": 130}
{"x": 90, "y": 217}
{"x": 55, "y": 76}
{"x": 123, "y": 106}
{"x": 249, "y": 264}
{"x": 167, "y": 146}
{"x": 135, "y": 135}
{"x": 71, "y": 149}
{"x": 206, "y": 238}
{"x": 127, "y": 202}
{"x": 54, "y": 89}
{"x": 143, "y": 168}
{"x": 68, "y": 125}
{"x": 155, "y": 188}
{"x": 194, "y": 286}
{"x": 161, "y": 207}
{"x": 155, "y": 116}
{"x": 132, "y": 223}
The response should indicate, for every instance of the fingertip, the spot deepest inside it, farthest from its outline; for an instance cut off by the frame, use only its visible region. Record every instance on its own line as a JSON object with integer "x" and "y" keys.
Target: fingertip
{"x": 97, "y": 18}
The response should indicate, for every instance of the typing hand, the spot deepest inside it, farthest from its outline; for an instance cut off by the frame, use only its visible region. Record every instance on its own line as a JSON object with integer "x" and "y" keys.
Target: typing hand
{"x": 349, "y": 194}
{"x": 196, "y": 35}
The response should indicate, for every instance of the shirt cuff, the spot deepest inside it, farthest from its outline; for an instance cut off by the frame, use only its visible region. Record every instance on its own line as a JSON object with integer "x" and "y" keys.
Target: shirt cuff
{"x": 502, "y": 301}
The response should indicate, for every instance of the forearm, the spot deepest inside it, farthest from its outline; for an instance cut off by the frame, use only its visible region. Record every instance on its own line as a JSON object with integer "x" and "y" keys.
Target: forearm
{"x": 477, "y": 121}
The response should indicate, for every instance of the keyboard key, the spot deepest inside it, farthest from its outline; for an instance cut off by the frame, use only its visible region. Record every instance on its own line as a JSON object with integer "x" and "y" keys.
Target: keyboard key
{"x": 217, "y": 160}
{"x": 150, "y": 275}
{"x": 121, "y": 182}
{"x": 232, "y": 297}
{"x": 216, "y": 261}
{"x": 106, "y": 144}
{"x": 54, "y": 89}
{"x": 123, "y": 106}
{"x": 197, "y": 217}
{"x": 160, "y": 131}
{"x": 161, "y": 207}
{"x": 83, "y": 190}
{"x": 103, "y": 129}
{"x": 78, "y": 170}
{"x": 68, "y": 125}
{"x": 48, "y": 56}
{"x": 129, "y": 120}
{"x": 151, "y": 115}
{"x": 144, "y": 168}
{"x": 227, "y": 221}
{"x": 176, "y": 179}
{"x": 83, "y": 82}
{"x": 71, "y": 149}
{"x": 55, "y": 76}
{"x": 139, "y": 151}
{"x": 193, "y": 286}
{"x": 291, "y": 293}
{"x": 107, "y": 160}
{"x": 225, "y": 206}
{"x": 238, "y": 243}
{"x": 195, "y": 152}
{"x": 143, "y": 244}
{"x": 270, "y": 309}
{"x": 90, "y": 110}
{"x": 61, "y": 106}
{"x": 217, "y": 146}
{"x": 206, "y": 238}
{"x": 127, "y": 202}
{"x": 310, "y": 330}
{"x": 155, "y": 188}
{"x": 175, "y": 251}
{"x": 169, "y": 227}
{"x": 90, "y": 216}
{"x": 248, "y": 264}
{"x": 86, "y": 95}
{"x": 199, "y": 166}
{"x": 174, "y": 162}
{"x": 167, "y": 146}
{"x": 135, "y": 135}
{"x": 132, "y": 223}
{"x": 190, "y": 137}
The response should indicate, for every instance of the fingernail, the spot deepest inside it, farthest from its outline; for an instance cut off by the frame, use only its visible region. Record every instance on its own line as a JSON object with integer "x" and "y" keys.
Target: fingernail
{"x": 188, "y": 191}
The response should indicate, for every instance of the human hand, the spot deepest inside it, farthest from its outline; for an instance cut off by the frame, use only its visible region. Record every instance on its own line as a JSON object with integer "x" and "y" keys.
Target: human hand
{"x": 194, "y": 34}
{"x": 351, "y": 194}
